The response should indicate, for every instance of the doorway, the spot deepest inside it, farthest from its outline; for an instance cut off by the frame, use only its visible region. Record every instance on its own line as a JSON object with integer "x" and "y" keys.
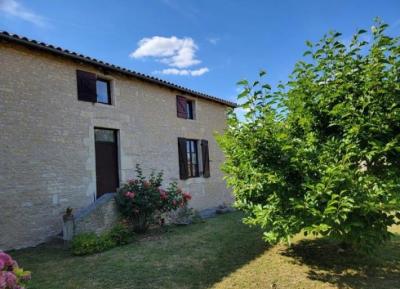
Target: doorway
{"x": 106, "y": 147}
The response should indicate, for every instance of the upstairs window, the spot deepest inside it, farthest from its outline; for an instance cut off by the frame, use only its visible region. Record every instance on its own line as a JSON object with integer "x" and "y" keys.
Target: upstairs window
{"x": 184, "y": 107}
{"x": 93, "y": 89}
{"x": 103, "y": 91}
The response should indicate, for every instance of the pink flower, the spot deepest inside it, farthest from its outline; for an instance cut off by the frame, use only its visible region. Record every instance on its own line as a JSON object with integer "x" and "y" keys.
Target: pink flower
{"x": 5, "y": 260}
{"x": 187, "y": 196}
{"x": 174, "y": 202}
{"x": 130, "y": 195}
{"x": 2, "y": 280}
{"x": 163, "y": 194}
{"x": 11, "y": 279}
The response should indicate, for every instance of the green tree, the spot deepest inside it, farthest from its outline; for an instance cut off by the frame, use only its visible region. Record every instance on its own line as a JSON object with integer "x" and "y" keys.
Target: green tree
{"x": 321, "y": 153}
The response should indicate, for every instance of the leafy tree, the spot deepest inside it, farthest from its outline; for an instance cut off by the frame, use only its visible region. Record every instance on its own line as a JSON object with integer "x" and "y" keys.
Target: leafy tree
{"x": 321, "y": 153}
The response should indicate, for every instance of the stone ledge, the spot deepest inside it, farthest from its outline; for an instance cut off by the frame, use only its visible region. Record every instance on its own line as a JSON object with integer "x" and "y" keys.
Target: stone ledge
{"x": 81, "y": 213}
{"x": 98, "y": 217}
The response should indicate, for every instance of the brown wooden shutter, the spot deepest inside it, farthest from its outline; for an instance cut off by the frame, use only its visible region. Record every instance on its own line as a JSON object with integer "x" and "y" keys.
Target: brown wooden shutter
{"x": 86, "y": 86}
{"x": 181, "y": 107}
{"x": 183, "y": 162}
{"x": 205, "y": 156}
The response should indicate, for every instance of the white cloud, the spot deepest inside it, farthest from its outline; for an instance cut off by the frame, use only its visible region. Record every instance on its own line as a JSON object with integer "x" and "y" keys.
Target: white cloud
{"x": 175, "y": 71}
{"x": 213, "y": 40}
{"x": 16, "y": 9}
{"x": 173, "y": 51}
{"x": 200, "y": 71}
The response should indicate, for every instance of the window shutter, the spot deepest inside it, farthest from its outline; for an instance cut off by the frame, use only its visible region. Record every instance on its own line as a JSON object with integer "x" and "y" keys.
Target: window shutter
{"x": 86, "y": 86}
{"x": 205, "y": 156}
{"x": 181, "y": 107}
{"x": 183, "y": 162}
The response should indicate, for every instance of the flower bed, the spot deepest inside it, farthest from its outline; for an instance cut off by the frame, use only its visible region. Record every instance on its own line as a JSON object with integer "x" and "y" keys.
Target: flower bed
{"x": 140, "y": 200}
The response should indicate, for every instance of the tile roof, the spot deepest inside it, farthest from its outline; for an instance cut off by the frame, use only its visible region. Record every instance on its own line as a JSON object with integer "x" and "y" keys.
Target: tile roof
{"x": 6, "y": 36}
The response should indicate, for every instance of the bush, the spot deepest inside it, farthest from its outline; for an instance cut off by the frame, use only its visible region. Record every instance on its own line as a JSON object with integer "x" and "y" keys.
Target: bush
{"x": 90, "y": 243}
{"x": 120, "y": 234}
{"x": 140, "y": 199}
{"x": 12, "y": 276}
{"x": 322, "y": 153}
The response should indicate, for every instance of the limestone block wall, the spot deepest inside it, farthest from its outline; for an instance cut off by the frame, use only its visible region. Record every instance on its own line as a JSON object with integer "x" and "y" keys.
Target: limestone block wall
{"x": 47, "y": 152}
{"x": 98, "y": 217}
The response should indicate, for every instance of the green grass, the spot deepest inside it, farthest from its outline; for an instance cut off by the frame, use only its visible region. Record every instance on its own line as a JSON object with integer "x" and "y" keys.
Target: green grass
{"x": 220, "y": 253}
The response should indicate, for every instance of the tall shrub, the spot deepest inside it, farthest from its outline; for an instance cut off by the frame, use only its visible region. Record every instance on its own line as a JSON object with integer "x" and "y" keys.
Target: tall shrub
{"x": 321, "y": 153}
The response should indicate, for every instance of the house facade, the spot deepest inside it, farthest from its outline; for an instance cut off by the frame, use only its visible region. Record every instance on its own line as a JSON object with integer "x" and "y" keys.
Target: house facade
{"x": 72, "y": 128}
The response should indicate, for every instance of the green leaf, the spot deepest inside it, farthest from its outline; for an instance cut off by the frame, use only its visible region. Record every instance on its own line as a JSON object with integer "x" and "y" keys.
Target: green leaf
{"x": 244, "y": 93}
{"x": 242, "y": 82}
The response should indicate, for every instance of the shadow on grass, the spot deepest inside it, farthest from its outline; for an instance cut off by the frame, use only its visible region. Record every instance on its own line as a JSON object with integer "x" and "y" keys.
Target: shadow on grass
{"x": 195, "y": 256}
{"x": 349, "y": 269}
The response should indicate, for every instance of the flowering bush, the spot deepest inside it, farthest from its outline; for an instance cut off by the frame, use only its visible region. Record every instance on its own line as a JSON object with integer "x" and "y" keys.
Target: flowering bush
{"x": 139, "y": 199}
{"x": 12, "y": 276}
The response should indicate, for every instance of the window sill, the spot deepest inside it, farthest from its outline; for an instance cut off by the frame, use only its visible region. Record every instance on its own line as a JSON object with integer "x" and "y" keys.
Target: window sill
{"x": 100, "y": 104}
{"x": 196, "y": 180}
{"x": 192, "y": 119}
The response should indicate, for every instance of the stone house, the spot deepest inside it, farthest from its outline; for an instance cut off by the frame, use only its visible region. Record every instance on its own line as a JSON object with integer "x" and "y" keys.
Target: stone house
{"x": 73, "y": 127}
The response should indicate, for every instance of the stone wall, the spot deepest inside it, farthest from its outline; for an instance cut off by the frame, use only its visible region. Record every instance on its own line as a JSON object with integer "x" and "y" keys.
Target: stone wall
{"x": 98, "y": 217}
{"x": 47, "y": 141}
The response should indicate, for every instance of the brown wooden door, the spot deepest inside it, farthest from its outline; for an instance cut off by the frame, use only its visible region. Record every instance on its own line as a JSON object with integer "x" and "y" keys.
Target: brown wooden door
{"x": 106, "y": 146}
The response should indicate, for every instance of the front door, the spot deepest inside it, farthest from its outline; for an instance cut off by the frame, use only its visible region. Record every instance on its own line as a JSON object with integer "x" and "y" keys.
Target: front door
{"x": 106, "y": 147}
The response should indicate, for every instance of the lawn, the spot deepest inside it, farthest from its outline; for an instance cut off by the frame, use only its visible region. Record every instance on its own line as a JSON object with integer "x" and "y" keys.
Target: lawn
{"x": 219, "y": 253}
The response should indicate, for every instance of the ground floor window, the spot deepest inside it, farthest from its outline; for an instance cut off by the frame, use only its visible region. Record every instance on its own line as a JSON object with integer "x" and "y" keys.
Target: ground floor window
{"x": 192, "y": 158}
{"x": 189, "y": 159}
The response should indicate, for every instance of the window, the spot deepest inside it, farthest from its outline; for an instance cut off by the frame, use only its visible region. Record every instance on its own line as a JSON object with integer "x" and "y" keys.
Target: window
{"x": 103, "y": 91}
{"x": 189, "y": 166}
{"x": 93, "y": 89}
{"x": 189, "y": 109}
{"x": 184, "y": 107}
{"x": 104, "y": 135}
{"x": 192, "y": 158}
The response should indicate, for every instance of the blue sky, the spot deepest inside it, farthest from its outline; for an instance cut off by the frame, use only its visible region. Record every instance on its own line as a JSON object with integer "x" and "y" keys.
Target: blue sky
{"x": 205, "y": 45}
